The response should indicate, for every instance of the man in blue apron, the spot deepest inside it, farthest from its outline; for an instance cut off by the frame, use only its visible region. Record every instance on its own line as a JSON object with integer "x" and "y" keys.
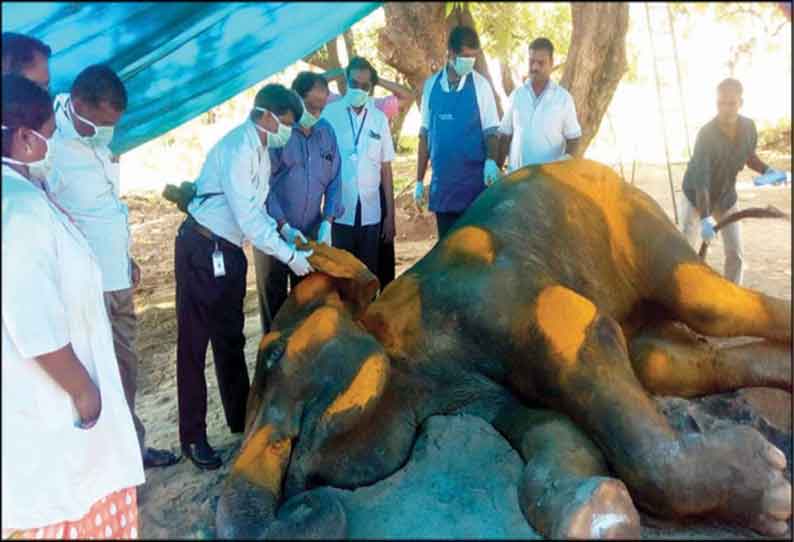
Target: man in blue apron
{"x": 458, "y": 133}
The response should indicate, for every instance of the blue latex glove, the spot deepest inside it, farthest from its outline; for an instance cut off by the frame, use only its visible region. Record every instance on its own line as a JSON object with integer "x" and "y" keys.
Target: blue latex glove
{"x": 770, "y": 176}
{"x": 707, "y": 232}
{"x": 299, "y": 262}
{"x": 324, "y": 233}
{"x": 491, "y": 173}
{"x": 419, "y": 193}
{"x": 290, "y": 234}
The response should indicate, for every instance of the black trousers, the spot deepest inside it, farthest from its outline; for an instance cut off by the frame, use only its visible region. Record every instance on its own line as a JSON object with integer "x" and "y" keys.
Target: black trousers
{"x": 363, "y": 242}
{"x": 386, "y": 264}
{"x": 444, "y": 222}
{"x": 209, "y": 309}
{"x": 272, "y": 277}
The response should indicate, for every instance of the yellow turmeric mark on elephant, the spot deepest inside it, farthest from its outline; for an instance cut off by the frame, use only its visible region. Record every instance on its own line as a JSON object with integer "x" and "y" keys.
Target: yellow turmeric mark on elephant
{"x": 262, "y": 462}
{"x": 367, "y": 385}
{"x": 395, "y": 318}
{"x": 470, "y": 242}
{"x": 599, "y": 184}
{"x": 563, "y": 316}
{"x": 702, "y": 291}
{"x": 267, "y": 339}
{"x": 656, "y": 368}
{"x": 319, "y": 327}
{"x": 312, "y": 287}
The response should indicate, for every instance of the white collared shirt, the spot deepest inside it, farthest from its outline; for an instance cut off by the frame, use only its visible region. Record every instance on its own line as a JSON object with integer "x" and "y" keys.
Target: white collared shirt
{"x": 540, "y": 125}
{"x": 486, "y": 103}
{"x": 239, "y": 166}
{"x": 360, "y": 176}
{"x": 51, "y": 297}
{"x": 86, "y": 183}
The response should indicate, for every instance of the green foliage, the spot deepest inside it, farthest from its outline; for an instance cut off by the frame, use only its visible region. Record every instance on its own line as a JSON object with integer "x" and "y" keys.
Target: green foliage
{"x": 409, "y": 144}
{"x": 507, "y": 28}
{"x": 775, "y": 136}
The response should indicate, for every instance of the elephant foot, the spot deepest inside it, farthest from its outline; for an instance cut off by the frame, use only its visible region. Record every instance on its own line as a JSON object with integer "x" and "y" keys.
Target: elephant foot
{"x": 734, "y": 474}
{"x": 601, "y": 509}
{"x": 592, "y": 508}
{"x": 762, "y": 494}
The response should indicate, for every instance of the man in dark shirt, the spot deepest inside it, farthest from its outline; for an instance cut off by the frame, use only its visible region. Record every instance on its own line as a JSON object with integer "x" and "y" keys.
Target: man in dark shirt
{"x": 305, "y": 191}
{"x": 723, "y": 147}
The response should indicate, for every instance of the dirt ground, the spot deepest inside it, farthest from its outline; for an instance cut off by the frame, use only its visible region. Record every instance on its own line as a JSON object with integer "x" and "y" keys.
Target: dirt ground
{"x": 179, "y": 502}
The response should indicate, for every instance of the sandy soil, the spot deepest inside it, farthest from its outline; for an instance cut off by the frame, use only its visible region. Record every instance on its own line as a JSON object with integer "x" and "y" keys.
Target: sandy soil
{"x": 179, "y": 502}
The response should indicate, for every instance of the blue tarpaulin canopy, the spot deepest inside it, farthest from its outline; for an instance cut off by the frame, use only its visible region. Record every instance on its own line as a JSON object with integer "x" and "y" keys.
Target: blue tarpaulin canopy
{"x": 178, "y": 59}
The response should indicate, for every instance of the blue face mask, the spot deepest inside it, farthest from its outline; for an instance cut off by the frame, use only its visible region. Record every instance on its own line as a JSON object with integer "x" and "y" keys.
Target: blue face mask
{"x": 356, "y": 97}
{"x": 280, "y": 137}
{"x": 463, "y": 65}
{"x": 307, "y": 120}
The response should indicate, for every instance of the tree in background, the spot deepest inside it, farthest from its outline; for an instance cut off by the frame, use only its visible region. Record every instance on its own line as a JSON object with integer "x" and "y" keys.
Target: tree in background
{"x": 413, "y": 41}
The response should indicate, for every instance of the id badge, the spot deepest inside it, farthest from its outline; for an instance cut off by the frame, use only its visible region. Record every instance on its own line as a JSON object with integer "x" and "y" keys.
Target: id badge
{"x": 218, "y": 267}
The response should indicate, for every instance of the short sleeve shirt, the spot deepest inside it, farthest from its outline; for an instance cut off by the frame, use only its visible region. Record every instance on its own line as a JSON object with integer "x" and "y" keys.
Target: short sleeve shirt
{"x": 540, "y": 125}
{"x": 361, "y": 163}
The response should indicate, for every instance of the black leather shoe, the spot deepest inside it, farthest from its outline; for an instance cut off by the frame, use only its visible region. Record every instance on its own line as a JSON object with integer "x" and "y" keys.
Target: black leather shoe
{"x": 158, "y": 458}
{"x": 202, "y": 455}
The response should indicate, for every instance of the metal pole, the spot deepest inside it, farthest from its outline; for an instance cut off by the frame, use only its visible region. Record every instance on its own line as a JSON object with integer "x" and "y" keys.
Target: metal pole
{"x": 617, "y": 147}
{"x": 661, "y": 112}
{"x": 680, "y": 85}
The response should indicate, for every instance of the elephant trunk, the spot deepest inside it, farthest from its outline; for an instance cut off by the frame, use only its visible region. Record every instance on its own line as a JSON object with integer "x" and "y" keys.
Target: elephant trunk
{"x": 252, "y": 491}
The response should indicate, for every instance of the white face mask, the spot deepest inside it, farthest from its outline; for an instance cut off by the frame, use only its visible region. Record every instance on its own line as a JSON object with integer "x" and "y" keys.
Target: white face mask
{"x": 356, "y": 97}
{"x": 282, "y": 135}
{"x": 463, "y": 65}
{"x": 40, "y": 169}
{"x": 103, "y": 135}
{"x": 307, "y": 120}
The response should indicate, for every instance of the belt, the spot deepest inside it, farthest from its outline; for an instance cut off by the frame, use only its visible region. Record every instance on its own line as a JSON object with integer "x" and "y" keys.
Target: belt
{"x": 207, "y": 233}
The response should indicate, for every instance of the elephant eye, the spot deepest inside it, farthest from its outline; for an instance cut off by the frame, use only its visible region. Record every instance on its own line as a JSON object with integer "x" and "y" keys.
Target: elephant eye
{"x": 274, "y": 354}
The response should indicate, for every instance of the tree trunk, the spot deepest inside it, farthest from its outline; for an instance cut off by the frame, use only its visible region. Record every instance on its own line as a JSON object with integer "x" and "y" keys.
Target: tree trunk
{"x": 327, "y": 58}
{"x": 596, "y": 61}
{"x": 508, "y": 83}
{"x": 350, "y": 44}
{"x": 413, "y": 41}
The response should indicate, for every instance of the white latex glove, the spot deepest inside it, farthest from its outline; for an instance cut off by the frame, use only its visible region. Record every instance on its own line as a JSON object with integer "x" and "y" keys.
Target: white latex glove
{"x": 290, "y": 234}
{"x": 491, "y": 172}
{"x": 299, "y": 263}
{"x": 419, "y": 193}
{"x": 707, "y": 232}
{"x": 324, "y": 233}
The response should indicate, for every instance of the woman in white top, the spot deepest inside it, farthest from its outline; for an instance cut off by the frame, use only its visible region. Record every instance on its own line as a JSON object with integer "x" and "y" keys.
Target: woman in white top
{"x": 71, "y": 458}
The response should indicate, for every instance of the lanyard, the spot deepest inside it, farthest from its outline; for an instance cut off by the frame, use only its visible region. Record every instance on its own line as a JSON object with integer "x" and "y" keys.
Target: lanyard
{"x": 356, "y": 136}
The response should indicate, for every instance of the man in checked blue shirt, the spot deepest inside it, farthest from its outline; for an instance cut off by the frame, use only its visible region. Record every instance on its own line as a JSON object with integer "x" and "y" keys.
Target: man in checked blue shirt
{"x": 305, "y": 191}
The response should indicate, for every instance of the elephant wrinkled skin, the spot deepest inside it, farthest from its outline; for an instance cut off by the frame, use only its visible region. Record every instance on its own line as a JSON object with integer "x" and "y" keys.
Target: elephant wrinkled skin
{"x": 553, "y": 308}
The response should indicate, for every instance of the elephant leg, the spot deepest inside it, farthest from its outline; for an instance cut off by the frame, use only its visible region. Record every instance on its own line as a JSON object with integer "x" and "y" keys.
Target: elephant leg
{"x": 713, "y": 305}
{"x": 565, "y": 490}
{"x": 669, "y": 359}
{"x": 733, "y": 474}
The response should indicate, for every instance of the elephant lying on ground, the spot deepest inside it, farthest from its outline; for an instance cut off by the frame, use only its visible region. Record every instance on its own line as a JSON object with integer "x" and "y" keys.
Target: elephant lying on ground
{"x": 552, "y": 309}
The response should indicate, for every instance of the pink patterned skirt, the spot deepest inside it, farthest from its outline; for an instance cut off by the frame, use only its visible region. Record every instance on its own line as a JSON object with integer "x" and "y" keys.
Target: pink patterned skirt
{"x": 114, "y": 516}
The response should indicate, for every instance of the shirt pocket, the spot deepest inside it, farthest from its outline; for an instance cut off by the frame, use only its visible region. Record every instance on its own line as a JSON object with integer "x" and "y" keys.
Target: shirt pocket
{"x": 374, "y": 146}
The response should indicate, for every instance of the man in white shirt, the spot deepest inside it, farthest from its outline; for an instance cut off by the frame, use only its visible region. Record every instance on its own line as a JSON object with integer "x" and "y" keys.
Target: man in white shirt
{"x": 210, "y": 265}
{"x": 366, "y": 150}
{"x": 85, "y": 181}
{"x": 458, "y": 132}
{"x": 539, "y": 124}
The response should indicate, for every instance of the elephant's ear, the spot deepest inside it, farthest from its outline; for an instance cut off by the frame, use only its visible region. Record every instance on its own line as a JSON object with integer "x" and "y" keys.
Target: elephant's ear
{"x": 355, "y": 283}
